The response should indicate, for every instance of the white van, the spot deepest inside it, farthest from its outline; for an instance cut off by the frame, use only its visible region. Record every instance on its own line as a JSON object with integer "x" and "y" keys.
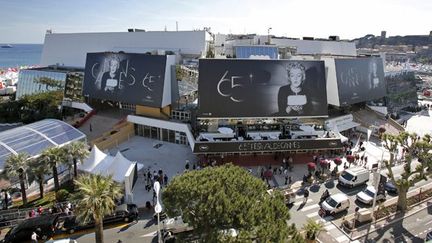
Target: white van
{"x": 335, "y": 204}
{"x": 354, "y": 177}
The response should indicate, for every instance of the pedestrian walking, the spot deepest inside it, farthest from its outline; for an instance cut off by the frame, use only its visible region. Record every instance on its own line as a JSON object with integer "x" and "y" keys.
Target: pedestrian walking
{"x": 91, "y": 129}
{"x": 286, "y": 179}
{"x": 289, "y": 180}
{"x": 165, "y": 179}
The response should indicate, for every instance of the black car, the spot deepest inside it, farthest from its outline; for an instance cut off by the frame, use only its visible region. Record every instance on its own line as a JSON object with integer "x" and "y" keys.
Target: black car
{"x": 122, "y": 213}
{"x": 44, "y": 226}
{"x": 428, "y": 238}
{"x": 390, "y": 187}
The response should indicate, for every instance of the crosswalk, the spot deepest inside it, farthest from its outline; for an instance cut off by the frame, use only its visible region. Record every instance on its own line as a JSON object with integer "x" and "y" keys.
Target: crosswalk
{"x": 311, "y": 210}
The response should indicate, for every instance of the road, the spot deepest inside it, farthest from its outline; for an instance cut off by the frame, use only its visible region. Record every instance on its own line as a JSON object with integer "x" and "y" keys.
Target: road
{"x": 300, "y": 213}
{"x": 411, "y": 229}
{"x": 143, "y": 231}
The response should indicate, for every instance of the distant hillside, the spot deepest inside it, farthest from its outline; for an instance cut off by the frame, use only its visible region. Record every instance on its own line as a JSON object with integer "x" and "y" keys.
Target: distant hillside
{"x": 369, "y": 41}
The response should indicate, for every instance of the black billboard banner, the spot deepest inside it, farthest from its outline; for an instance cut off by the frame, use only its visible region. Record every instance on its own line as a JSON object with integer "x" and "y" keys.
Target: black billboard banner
{"x": 267, "y": 146}
{"x": 132, "y": 78}
{"x": 261, "y": 88}
{"x": 401, "y": 91}
{"x": 360, "y": 79}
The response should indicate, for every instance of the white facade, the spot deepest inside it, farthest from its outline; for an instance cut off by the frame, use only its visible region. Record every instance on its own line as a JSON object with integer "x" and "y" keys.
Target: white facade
{"x": 303, "y": 47}
{"x": 332, "y": 85}
{"x": 70, "y": 49}
{"x": 312, "y": 47}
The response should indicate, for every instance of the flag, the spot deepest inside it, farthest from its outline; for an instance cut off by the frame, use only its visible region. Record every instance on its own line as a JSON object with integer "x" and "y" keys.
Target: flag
{"x": 369, "y": 133}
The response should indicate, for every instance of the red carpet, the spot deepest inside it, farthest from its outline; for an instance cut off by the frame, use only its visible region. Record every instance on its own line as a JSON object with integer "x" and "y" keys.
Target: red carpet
{"x": 260, "y": 160}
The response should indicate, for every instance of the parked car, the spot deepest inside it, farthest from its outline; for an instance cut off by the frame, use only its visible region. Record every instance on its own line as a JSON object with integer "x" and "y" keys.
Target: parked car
{"x": 122, "y": 213}
{"x": 335, "y": 204}
{"x": 44, "y": 226}
{"x": 354, "y": 177}
{"x": 428, "y": 238}
{"x": 368, "y": 195}
{"x": 62, "y": 241}
{"x": 390, "y": 187}
{"x": 174, "y": 229}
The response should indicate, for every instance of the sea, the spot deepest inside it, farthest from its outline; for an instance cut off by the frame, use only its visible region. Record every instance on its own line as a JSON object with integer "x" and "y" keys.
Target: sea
{"x": 20, "y": 55}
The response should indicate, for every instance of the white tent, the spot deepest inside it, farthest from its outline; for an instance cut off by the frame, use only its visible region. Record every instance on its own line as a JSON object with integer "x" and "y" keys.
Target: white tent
{"x": 95, "y": 157}
{"x": 120, "y": 168}
{"x": 116, "y": 166}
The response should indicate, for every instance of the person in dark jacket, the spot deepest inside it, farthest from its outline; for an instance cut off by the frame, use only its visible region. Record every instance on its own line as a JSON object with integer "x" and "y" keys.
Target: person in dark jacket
{"x": 294, "y": 98}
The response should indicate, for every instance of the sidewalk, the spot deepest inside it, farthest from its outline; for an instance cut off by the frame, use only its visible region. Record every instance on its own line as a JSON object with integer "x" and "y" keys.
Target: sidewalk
{"x": 381, "y": 223}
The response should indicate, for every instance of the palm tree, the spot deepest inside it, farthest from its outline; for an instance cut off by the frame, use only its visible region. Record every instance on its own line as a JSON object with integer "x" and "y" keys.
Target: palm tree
{"x": 79, "y": 151}
{"x": 54, "y": 156}
{"x": 38, "y": 168}
{"x": 312, "y": 230}
{"x": 95, "y": 198}
{"x": 16, "y": 165}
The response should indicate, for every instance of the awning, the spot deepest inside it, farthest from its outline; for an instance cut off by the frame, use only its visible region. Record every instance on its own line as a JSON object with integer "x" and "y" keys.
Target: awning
{"x": 347, "y": 125}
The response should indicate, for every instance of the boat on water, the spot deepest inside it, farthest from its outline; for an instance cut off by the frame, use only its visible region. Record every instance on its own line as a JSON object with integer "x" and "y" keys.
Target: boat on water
{"x": 6, "y": 46}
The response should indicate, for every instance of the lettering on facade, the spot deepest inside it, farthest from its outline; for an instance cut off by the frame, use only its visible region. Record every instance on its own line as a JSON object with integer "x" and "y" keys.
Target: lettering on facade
{"x": 269, "y": 146}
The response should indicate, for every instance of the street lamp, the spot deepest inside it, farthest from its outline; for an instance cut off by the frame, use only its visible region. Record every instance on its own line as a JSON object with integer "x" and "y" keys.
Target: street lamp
{"x": 158, "y": 208}
{"x": 376, "y": 180}
{"x": 268, "y": 33}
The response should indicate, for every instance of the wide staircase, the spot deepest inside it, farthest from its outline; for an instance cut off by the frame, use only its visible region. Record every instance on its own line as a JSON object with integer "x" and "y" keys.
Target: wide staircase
{"x": 371, "y": 119}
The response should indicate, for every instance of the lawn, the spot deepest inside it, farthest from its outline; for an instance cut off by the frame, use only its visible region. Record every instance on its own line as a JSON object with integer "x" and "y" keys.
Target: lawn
{"x": 47, "y": 201}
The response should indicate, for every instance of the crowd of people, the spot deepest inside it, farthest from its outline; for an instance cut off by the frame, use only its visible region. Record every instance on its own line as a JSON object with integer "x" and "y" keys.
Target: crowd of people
{"x": 58, "y": 208}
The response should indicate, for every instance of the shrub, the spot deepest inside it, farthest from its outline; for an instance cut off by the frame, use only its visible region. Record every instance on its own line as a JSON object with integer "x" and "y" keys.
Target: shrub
{"x": 62, "y": 195}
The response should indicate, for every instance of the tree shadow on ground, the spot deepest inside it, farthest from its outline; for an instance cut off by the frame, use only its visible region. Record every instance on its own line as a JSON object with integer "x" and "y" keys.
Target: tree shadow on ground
{"x": 398, "y": 232}
{"x": 126, "y": 227}
{"x": 150, "y": 223}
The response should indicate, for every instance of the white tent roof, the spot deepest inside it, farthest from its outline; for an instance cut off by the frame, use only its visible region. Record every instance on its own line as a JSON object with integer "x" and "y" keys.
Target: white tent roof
{"x": 95, "y": 157}
{"x": 116, "y": 166}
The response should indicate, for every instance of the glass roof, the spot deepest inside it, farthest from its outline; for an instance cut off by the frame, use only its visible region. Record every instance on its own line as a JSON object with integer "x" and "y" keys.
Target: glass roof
{"x": 34, "y": 138}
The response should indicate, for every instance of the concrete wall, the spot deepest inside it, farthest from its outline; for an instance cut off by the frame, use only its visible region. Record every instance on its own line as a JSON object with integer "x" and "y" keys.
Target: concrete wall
{"x": 70, "y": 49}
{"x": 161, "y": 113}
{"x": 124, "y": 131}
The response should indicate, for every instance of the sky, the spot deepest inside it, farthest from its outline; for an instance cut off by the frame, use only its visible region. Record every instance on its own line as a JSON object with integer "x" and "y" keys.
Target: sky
{"x": 26, "y": 21}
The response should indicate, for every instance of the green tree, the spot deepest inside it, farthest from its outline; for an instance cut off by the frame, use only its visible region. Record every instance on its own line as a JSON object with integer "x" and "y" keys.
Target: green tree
{"x": 54, "y": 156}
{"x": 312, "y": 229}
{"x": 95, "y": 198}
{"x": 220, "y": 198}
{"x": 415, "y": 148}
{"x": 38, "y": 169}
{"x": 78, "y": 151}
{"x": 48, "y": 82}
{"x": 16, "y": 165}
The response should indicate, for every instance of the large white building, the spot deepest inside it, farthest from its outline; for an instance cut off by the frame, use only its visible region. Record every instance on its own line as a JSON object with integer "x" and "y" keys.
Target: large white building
{"x": 70, "y": 49}
{"x": 224, "y": 45}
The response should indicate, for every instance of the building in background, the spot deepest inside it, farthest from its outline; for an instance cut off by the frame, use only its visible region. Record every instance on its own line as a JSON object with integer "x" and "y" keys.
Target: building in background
{"x": 42, "y": 79}
{"x": 401, "y": 91}
{"x": 39, "y": 80}
{"x": 70, "y": 49}
{"x": 257, "y": 52}
{"x": 225, "y": 45}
